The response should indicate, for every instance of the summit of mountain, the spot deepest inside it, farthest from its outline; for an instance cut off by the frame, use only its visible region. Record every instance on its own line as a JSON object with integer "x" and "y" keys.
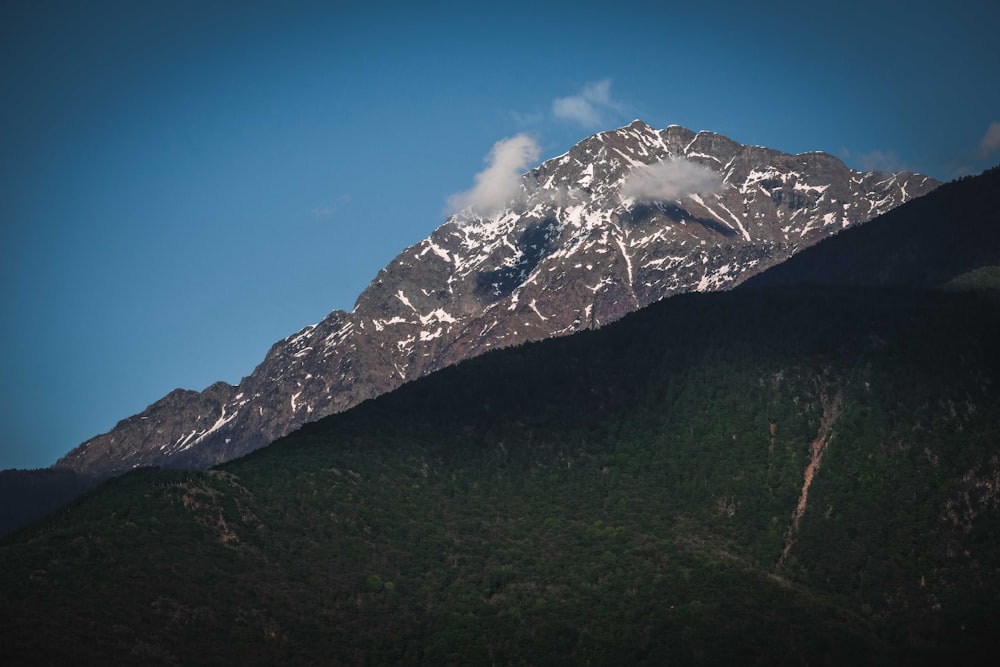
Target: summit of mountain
{"x": 623, "y": 219}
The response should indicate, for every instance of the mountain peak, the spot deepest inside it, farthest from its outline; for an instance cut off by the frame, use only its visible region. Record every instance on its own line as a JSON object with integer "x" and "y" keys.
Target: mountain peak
{"x": 639, "y": 124}
{"x": 623, "y": 219}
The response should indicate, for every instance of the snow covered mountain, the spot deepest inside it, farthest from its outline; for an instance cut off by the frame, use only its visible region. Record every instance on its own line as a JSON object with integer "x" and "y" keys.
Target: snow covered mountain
{"x": 625, "y": 218}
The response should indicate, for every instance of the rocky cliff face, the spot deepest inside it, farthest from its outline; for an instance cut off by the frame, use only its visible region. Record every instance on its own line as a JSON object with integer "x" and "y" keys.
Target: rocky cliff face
{"x": 623, "y": 219}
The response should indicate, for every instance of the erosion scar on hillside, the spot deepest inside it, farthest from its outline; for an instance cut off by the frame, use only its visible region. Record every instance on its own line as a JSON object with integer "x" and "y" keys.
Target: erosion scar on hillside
{"x": 831, "y": 411}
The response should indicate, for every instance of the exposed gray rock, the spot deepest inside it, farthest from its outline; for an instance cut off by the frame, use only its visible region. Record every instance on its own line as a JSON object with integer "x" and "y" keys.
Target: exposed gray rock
{"x": 588, "y": 240}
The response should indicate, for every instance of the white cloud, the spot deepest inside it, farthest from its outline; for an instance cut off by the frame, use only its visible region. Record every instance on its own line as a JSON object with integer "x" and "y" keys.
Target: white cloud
{"x": 526, "y": 119}
{"x": 875, "y": 160}
{"x": 880, "y": 161}
{"x": 669, "y": 180}
{"x": 991, "y": 140}
{"x": 327, "y": 212}
{"x": 323, "y": 212}
{"x": 500, "y": 182}
{"x": 589, "y": 106}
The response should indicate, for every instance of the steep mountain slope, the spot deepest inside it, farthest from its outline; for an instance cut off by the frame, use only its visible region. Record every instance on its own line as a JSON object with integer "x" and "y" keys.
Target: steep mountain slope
{"x": 929, "y": 241}
{"x": 622, "y": 220}
{"x": 780, "y": 476}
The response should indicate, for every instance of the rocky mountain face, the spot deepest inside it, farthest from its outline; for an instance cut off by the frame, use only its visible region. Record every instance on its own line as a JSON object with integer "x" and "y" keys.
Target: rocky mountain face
{"x": 952, "y": 234}
{"x": 624, "y": 219}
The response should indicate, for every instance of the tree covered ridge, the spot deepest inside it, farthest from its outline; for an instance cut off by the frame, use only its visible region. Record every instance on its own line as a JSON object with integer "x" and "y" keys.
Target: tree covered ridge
{"x": 622, "y": 496}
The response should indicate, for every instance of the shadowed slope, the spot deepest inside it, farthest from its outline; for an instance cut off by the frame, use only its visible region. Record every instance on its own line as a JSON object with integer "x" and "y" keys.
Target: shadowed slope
{"x": 617, "y": 496}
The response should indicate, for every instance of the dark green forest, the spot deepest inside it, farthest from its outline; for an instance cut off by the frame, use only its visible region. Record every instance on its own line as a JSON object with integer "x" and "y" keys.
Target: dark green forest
{"x": 793, "y": 475}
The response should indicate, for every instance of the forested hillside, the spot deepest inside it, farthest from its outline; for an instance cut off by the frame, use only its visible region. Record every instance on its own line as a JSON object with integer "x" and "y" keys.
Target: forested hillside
{"x": 776, "y": 476}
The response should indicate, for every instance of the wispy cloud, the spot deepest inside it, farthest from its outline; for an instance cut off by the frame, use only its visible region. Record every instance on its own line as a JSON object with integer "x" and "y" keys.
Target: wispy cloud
{"x": 990, "y": 142}
{"x": 971, "y": 161}
{"x": 327, "y": 212}
{"x": 875, "y": 160}
{"x": 669, "y": 180}
{"x": 500, "y": 182}
{"x": 588, "y": 107}
{"x": 878, "y": 160}
{"x": 526, "y": 119}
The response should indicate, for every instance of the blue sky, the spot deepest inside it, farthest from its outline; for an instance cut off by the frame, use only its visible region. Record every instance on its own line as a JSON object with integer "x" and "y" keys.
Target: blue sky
{"x": 185, "y": 183}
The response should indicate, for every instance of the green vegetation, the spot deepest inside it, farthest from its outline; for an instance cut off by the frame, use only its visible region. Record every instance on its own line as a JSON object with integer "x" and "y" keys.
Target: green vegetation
{"x": 622, "y": 496}
{"x": 985, "y": 278}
